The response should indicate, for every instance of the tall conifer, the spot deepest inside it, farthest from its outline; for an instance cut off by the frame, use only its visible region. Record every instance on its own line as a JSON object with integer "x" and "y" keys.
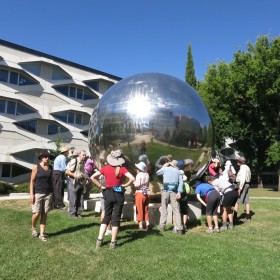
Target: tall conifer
{"x": 190, "y": 73}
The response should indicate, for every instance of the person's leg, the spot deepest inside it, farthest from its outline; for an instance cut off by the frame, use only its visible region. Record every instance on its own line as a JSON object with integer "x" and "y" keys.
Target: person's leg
{"x": 43, "y": 222}
{"x": 79, "y": 202}
{"x": 146, "y": 211}
{"x": 139, "y": 209}
{"x": 72, "y": 198}
{"x": 34, "y": 220}
{"x": 163, "y": 209}
{"x": 176, "y": 210}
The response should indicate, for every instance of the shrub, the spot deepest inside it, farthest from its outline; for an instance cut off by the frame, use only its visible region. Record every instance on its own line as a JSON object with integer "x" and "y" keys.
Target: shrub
{"x": 22, "y": 188}
{"x": 6, "y": 188}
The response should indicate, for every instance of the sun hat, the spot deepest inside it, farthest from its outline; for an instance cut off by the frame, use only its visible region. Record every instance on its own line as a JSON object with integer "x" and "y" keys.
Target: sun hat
{"x": 45, "y": 153}
{"x": 169, "y": 157}
{"x": 228, "y": 163}
{"x": 188, "y": 161}
{"x": 241, "y": 159}
{"x": 74, "y": 153}
{"x": 143, "y": 158}
{"x": 64, "y": 149}
{"x": 174, "y": 163}
{"x": 115, "y": 158}
{"x": 215, "y": 160}
{"x": 141, "y": 166}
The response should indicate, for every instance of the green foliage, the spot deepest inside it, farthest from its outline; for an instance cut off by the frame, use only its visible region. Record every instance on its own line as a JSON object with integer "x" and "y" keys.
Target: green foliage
{"x": 22, "y": 188}
{"x": 190, "y": 73}
{"x": 273, "y": 156}
{"x": 243, "y": 98}
{"x": 6, "y": 188}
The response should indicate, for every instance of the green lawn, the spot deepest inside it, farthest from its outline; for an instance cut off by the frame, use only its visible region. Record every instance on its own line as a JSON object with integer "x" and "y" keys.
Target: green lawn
{"x": 250, "y": 251}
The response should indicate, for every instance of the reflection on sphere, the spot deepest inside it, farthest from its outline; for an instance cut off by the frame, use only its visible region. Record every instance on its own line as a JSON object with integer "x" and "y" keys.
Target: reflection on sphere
{"x": 153, "y": 114}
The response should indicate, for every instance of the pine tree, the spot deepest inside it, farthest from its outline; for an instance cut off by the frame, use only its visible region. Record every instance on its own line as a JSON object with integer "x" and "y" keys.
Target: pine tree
{"x": 190, "y": 73}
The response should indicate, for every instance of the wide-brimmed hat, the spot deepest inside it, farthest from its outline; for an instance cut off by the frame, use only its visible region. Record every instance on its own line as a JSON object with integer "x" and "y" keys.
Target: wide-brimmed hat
{"x": 115, "y": 158}
{"x": 174, "y": 163}
{"x": 241, "y": 159}
{"x": 141, "y": 166}
{"x": 169, "y": 157}
{"x": 215, "y": 160}
{"x": 64, "y": 149}
{"x": 188, "y": 161}
{"x": 44, "y": 153}
{"x": 74, "y": 153}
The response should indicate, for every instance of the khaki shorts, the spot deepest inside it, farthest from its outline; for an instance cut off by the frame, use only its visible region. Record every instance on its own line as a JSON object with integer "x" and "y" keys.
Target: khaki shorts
{"x": 43, "y": 203}
{"x": 244, "y": 196}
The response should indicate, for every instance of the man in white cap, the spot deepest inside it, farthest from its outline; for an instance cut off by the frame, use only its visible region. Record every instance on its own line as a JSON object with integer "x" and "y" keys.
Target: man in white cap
{"x": 59, "y": 167}
{"x": 243, "y": 178}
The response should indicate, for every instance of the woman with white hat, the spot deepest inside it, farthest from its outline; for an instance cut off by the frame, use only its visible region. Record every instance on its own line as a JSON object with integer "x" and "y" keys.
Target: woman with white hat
{"x": 142, "y": 195}
{"x": 114, "y": 174}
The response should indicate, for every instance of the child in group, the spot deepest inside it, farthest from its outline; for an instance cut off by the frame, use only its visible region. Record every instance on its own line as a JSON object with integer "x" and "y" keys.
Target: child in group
{"x": 184, "y": 203}
{"x": 142, "y": 195}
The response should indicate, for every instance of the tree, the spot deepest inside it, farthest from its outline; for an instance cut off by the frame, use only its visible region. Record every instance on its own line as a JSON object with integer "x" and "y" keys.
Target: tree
{"x": 243, "y": 98}
{"x": 190, "y": 73}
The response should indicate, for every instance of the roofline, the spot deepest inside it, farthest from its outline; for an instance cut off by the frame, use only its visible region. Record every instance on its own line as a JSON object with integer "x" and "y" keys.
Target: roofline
{"x": 61, "y": 60}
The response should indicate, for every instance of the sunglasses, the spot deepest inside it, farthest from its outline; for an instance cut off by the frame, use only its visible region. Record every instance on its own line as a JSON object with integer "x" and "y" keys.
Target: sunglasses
{"x": 45, "y": 156}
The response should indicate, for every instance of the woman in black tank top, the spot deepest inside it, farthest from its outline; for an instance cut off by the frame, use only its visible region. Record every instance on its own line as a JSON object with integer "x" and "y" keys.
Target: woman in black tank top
{"x": 41, "y": 190}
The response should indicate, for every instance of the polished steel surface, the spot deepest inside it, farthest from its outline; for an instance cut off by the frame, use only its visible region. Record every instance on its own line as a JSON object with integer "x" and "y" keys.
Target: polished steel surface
{"x": 153, "y": 114}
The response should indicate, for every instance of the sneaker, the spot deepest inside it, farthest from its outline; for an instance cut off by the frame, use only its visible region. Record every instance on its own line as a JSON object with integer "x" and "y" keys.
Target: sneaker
{"x": 223, "y": 228}
{"x": 113, "y": 245}
{"x": 99, "y": 243}
{"x": 209, "y": 230}
{"x": 174, "y": 229}
{"x": 108, "y": 232}
{"x": 230, "y": 226}
{"x": 34, "y": 232}
{"x": 185, "y": 229}
{"x": 216, "y": 230}
{"x": 180, "y": 231}
{"x": 148, "y": 227}
{"x": 161, "y": 228}
{"x": 43, "y": 238}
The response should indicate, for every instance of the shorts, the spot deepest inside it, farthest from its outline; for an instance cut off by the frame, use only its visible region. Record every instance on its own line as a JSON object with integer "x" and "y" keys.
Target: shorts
{"x": 184, "y": 208}
{"x": 43, "y": 203}
{"x": 244, "y": 196}
{"x": 229, "y": 199}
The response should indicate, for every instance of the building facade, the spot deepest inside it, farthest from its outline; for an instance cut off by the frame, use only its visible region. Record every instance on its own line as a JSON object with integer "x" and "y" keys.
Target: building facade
{"x": 43, "y": 97}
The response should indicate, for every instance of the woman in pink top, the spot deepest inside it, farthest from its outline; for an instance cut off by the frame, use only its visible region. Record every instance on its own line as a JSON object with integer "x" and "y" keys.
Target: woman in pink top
{"x": 113, "y": 194}
{"x": 142, "y": 195}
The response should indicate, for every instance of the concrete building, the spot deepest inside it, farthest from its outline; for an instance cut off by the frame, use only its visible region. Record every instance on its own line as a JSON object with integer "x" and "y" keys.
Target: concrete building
{"x": 43, "y": 97}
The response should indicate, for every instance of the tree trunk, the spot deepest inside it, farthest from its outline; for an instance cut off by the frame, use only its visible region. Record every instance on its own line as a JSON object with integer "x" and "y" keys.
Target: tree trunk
{"x": 279, "y": 183}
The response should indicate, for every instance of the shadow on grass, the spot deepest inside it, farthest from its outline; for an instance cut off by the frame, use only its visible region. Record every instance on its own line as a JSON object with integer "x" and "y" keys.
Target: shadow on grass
{"x": 73, "y": 229}
{"x": 132, "y": 233}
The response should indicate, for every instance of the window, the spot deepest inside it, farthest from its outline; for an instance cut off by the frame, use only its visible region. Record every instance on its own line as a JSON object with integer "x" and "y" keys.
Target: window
{"x": 58, "y": 74}
{"x": 2, "y": 106}
{"x": 18, "y": 170}
{"x": 73, "y": 118}
{"x": 14, "y": 108}
{"x": 15, "y": 78}
{"x": 4, "y": 75}
{"x": 34, "y": 68}
{"x": 55, "y": 129}
{"x": 76, "y": 92}
{"x": 28, "y": 125}
{"x": 93, "y": 84}
{"x": 11, "y": 107}
{"x": 6, "y": 170}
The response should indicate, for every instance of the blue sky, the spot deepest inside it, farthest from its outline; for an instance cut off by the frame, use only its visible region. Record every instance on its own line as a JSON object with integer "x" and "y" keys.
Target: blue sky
{"x": 128, "y": 37}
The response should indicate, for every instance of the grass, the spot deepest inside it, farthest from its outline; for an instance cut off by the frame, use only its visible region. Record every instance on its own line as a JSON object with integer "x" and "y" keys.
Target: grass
{"x": 250, "y": 251}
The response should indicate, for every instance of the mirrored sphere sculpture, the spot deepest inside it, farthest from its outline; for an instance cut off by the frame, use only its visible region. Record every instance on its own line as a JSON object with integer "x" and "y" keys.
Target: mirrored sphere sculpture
{"x": 155, "y": 115}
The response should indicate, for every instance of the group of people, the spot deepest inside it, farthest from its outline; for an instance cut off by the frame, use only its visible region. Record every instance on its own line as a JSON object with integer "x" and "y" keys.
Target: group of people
{"x": 221, "y": 192}
{"x": 216, "y": 193}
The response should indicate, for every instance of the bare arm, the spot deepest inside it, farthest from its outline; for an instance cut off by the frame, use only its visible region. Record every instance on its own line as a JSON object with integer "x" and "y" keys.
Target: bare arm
{"x": 31, "y": 187}
{"x": 131, "y": 179}
{"x": 200, "y": 199}
{"x": 94, "y": 179}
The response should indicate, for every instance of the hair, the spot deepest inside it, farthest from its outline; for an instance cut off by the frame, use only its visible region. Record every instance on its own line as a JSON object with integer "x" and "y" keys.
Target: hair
{"x": 118, "y": 168}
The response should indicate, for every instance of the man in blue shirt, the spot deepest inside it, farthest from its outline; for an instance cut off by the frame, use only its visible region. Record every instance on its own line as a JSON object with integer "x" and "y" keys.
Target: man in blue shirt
{"x": 59, "y": 167}
{"x": 172, "y": 188}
